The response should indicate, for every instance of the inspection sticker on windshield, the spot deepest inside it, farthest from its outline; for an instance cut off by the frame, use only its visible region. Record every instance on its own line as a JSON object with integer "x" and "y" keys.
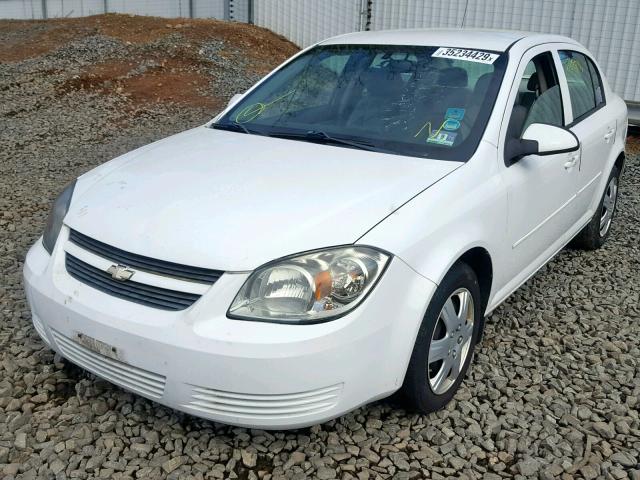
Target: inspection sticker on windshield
{"x": 443, "y": 138}
{"x": 454, "y": 113}
{"x": 451, "y": 124}
{"x": 463, "y": 54}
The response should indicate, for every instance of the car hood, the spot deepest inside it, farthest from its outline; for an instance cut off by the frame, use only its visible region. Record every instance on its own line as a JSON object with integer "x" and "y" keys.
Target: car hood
{"x": 232, "y": 201}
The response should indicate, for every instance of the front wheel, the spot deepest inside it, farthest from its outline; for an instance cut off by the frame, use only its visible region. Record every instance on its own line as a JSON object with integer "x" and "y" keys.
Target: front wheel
{"x": 446, "y": 341}
{"x": 597, "y": 230}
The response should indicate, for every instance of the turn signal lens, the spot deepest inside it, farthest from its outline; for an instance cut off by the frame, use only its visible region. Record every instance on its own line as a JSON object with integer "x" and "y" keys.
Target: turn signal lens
{"x": 309, "y": 288}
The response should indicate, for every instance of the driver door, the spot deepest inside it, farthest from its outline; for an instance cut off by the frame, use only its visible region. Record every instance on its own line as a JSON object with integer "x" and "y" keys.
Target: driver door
{"x": 541, "y": 188}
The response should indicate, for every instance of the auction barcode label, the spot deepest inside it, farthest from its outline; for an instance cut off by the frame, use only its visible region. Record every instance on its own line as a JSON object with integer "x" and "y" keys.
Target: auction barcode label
{"x": 463, "y": 54}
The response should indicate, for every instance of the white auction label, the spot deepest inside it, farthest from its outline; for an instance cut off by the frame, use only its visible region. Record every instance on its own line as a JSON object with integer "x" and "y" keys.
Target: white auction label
{"x": 464, "y": 54}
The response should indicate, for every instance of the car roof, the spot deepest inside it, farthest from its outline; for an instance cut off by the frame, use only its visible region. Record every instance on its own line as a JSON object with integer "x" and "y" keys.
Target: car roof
{"x": 484, "y": 39}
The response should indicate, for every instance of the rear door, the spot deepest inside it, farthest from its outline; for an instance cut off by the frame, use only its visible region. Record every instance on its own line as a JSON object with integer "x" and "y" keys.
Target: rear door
{"x": 589, "y": 118}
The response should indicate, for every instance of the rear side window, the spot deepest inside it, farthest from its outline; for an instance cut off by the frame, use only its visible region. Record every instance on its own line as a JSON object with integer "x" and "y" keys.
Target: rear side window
{"x": 585, "y": 86}
{"x": 597, "y": 83}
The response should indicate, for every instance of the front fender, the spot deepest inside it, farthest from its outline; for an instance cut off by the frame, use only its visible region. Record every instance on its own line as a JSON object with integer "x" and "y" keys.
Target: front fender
{"x": 465, "y": 209}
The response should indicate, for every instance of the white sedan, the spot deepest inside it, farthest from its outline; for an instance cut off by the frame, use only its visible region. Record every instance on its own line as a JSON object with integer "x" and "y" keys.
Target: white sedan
{"x": 339, "y": 232}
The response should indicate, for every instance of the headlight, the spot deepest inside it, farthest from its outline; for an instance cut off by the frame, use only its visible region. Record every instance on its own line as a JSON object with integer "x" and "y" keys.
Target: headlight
{"x": 309, "y": 288}
{"x": 54, "y": 222}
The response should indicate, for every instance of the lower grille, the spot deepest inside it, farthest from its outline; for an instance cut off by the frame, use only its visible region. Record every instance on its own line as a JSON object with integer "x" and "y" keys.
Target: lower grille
{"x": 37, "y": 323}
{"x": 132, "y": 378}
{"x": 216, "y": 402}
{"x": 133, "y": 291}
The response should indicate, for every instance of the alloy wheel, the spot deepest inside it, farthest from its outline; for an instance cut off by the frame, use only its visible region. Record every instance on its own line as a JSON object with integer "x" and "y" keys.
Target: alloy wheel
{"x": 451, "y": 341}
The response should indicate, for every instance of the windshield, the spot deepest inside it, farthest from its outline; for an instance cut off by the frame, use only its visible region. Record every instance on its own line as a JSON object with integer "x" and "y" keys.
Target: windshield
{"x": 408, "y": 100}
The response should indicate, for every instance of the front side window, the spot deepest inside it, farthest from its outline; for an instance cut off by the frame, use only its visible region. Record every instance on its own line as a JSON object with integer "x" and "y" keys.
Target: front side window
{"x": 409, "y": 100}
{"x": 538, "y": 99}
{"x": 585, "y": 86}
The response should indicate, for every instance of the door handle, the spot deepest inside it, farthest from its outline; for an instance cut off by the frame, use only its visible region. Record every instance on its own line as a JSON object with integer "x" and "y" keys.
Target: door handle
{"x": 609, "y": 134}
{"x": 569, "y": 164}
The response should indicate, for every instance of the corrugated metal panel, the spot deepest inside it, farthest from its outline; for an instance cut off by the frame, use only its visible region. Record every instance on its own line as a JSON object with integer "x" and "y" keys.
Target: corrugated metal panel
{"x": 239, "y": 10}
{"x": 74, "y": 8}
{"x": 32, "y": 9}
{"x": 390, "y": 14}
{"x": 610, "y": 29}
{"x": 549, "y": 16}
{"x": 166, "y": 8}
{"x": 208, "y": 9}
{"x": 552, "y": 16}
{"x": 21, "y": 9}
{"x": 305, "y": 22}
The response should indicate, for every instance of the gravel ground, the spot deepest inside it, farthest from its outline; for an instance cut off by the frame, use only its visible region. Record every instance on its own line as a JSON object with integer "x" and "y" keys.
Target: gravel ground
{"x": 554, "y": 391}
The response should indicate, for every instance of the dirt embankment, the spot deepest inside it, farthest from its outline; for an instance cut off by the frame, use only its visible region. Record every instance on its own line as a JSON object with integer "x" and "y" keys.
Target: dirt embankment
{"x": 196, "y": 62}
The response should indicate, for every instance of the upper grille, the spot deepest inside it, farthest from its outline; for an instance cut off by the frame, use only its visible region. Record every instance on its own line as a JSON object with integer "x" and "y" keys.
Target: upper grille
{"x": 134, "y": 291}
{"x": 147, "y": 264}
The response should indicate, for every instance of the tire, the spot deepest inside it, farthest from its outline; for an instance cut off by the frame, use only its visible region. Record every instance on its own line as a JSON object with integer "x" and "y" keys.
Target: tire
{"x": 594, "y": 234}
{"x": 421, "y": 388}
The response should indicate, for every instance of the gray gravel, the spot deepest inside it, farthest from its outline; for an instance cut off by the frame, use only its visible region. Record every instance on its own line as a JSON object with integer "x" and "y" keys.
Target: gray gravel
{"x": 554, "y": 391}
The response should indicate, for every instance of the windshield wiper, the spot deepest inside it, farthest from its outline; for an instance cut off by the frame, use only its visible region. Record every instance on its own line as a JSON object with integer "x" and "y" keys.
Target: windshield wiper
{"x": 323, "y": 137}
{"x": 232, "y": 127}
{"x": 310, "y": 135}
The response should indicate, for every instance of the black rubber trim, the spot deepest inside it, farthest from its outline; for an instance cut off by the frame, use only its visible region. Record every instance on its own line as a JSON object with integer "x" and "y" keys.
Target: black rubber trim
{"x": 514, "y": 42}
{"x": 585, "y": 115}
{"x": 148, "y": 264}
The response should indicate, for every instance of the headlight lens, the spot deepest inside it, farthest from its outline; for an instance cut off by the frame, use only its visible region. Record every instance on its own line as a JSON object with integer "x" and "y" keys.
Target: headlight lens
{"x": 309, "y": 288}
{"x": 58, "y": 211}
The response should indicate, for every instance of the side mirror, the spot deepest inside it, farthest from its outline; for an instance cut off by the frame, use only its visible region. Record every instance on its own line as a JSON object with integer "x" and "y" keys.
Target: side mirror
{"x": 234, "y": 99}
{"x": 541, "y": 139}
{"x": 551, "y": 139}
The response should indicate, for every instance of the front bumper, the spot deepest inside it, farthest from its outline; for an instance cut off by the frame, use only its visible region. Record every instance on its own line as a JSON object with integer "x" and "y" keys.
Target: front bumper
{"x": 236, "y": 372}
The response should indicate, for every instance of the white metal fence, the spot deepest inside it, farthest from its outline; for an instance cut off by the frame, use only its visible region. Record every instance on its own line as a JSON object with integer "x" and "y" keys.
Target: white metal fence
{"x": 38, "y": 9}
{"x": 609, "y": 28}
{"x": 305, "y": 22}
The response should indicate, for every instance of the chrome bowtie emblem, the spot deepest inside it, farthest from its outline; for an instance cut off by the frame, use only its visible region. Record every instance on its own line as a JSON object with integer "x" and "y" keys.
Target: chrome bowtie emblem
{"x": 120, "y": 272}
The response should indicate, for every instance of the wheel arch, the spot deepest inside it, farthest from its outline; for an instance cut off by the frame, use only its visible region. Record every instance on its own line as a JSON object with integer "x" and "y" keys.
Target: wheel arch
{"x": 477, "y": 255}
{"x": 620, "y": 162}
{"x": 479, "y": 259}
